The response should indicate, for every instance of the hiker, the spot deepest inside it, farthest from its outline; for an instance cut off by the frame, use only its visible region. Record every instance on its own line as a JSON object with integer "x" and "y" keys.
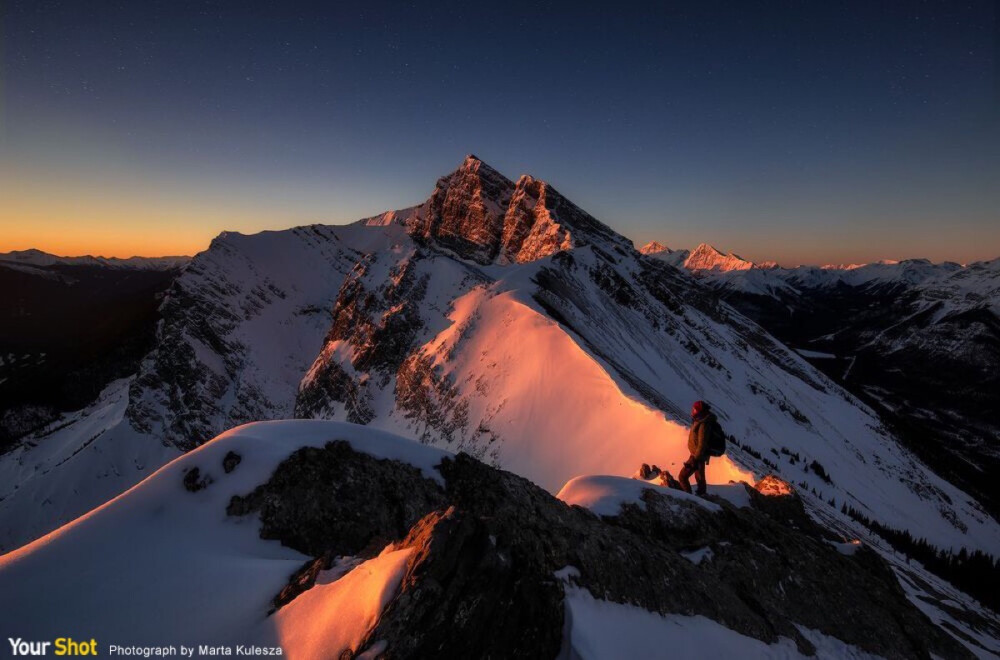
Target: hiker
{"x": 706, "y": 439}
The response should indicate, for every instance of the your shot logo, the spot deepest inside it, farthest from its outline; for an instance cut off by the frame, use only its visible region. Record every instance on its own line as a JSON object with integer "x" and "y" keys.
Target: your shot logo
{"x": 58, "y": 646}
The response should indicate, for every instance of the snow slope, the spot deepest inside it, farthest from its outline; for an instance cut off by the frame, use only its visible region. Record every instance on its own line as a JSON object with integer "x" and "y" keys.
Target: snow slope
{"x": 546, "y": 408}
{"x": 597, "y": 629}
{"x": 208, "y": 577}
{"x": 77, "y": 463}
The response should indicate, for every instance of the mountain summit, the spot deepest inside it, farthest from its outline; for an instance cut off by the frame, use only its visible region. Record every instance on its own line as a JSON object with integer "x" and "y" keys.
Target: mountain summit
{"x": 706, "y": 257}
{"x": 654, "y": 247}
{"x": 480, "y": 215}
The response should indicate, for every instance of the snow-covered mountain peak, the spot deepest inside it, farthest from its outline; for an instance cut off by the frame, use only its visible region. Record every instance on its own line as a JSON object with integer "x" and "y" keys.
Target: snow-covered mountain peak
{"x": 654, "y": 247}
{"x": 706, "y": 257}
{"x": 480, "y": 215}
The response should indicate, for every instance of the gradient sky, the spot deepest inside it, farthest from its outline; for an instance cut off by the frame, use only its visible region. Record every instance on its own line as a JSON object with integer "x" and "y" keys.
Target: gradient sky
{"x": 807, "y": 132}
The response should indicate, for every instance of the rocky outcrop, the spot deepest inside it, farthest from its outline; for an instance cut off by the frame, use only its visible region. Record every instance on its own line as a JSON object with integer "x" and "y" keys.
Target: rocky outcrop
{"x": 205, "y": 374}
{"x": 482, "y": 216}
{"x": 481, "y": 581}
{"x": 465, "y": 213}
{"x": 336, "y": 500}
{"x": 379, "y": 325}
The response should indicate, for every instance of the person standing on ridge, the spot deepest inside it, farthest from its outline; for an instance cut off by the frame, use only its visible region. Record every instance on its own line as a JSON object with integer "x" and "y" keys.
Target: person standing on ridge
{"x": 706, "y": 439}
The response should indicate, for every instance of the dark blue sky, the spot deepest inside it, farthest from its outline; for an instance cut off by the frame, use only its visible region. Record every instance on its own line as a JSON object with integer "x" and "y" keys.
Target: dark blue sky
{"x": 800, "y": 131}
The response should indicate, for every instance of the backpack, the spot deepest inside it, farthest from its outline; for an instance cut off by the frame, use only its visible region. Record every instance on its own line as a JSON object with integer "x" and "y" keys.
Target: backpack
{"x": 716, "y": 439}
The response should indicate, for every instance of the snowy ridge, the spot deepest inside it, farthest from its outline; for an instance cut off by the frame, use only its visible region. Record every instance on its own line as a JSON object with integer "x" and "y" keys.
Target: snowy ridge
{"x": 977, "y": 280}
{"x": 220, "y": 564}
{"x": 240, "y": 327}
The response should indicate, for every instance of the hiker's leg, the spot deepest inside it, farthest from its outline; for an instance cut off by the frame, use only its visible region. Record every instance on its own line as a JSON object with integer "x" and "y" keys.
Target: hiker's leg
{"x": 699, "y": 476}
{"x": 684, "y": 478}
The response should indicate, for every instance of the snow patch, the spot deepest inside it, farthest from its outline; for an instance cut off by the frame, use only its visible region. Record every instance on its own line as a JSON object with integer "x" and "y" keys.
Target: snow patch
{"x": 599, "y": 629}
{"x": 699, "y": 555}
{"x": 605, "y": 495}
{"x": 736, "y": 494}
{"x": 332, "y": 618}
{"x": 816, "y": 355}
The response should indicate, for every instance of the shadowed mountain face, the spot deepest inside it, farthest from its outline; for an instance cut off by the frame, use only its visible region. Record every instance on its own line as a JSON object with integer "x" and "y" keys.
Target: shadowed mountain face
{"x": 67, "y": 330}
{"x": 933, "y": 373}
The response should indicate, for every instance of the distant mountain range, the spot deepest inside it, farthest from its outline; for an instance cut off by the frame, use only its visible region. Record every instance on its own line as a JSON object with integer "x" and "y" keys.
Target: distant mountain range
{"x": 69, "y": 326}
{"x": 44, "y": 259}
{"x": 918, "y": 341}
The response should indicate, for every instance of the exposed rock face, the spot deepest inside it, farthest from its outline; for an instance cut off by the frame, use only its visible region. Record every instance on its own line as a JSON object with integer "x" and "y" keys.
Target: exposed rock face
{"x": 465, "y": 213}
{"x": 207, "y": 372}
{"x": 194, "y": 481}
{"x": 379, "y": 319}
{"x": 480, "y": 215}
{"x": 230, "y": 461}
{"x": 336, "y": 500}
{"x": 481, "y": 582}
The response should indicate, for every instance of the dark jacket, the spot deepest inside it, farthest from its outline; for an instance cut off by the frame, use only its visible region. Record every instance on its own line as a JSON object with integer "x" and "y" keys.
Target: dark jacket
{"x": 698, "y": 436}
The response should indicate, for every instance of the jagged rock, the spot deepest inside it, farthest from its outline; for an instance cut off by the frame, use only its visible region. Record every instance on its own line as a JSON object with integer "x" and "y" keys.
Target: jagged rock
{"x": 655, "y": 475}
{"x": 193, "y": 481}
{"x": 774, "y": 486}
{"x": 339, "y": 501}
{"x": 380, "y": 324}
{"x": 481, "y": 580}
{"x": 305, "y": 578}
{"x": 465, "y": 213}
{"x": 466, "y": 595}
{"x": 480, "y": 215}
{"x": 230, "y": 461}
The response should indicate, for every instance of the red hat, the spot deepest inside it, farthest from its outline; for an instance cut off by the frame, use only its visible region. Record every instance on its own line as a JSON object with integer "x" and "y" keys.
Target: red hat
{"x": 698, "y": 409}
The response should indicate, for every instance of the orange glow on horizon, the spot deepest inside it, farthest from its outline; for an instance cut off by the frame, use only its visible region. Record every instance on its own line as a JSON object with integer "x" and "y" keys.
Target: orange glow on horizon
{"x": 118, "y": 215}
{"x": 121, "y": 246}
